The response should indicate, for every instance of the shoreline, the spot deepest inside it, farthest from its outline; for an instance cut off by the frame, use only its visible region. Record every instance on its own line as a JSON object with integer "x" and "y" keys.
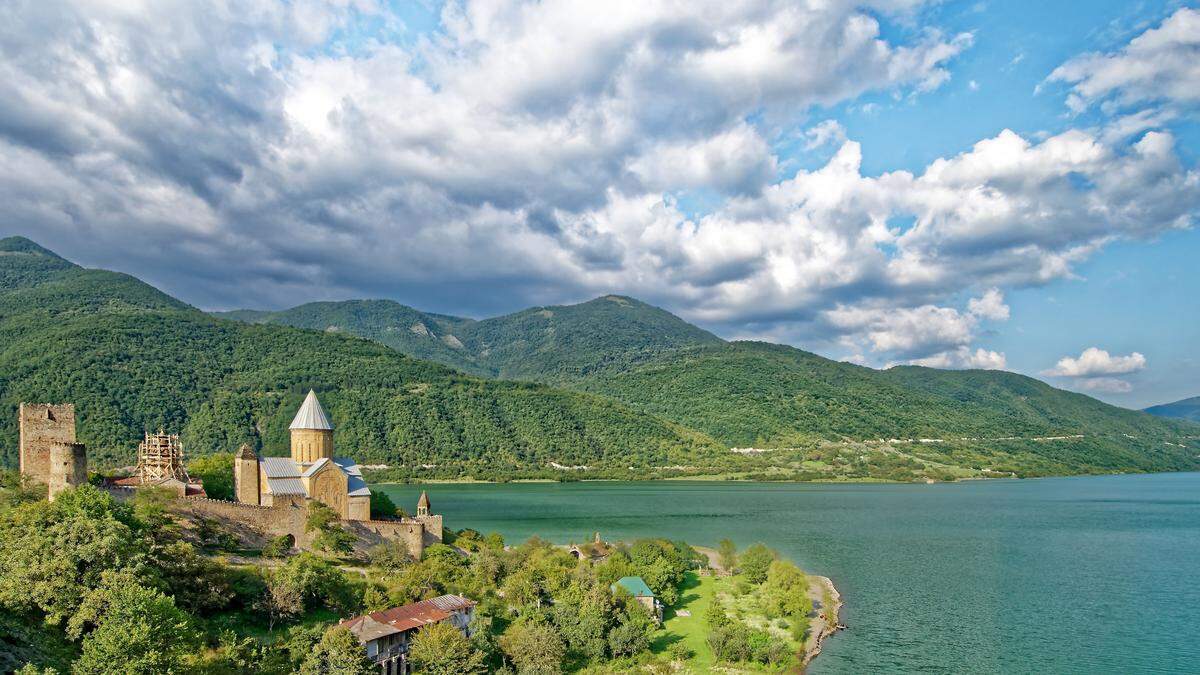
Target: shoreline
{"x": 819, "y": 588}
{"x": 821, "y": 628}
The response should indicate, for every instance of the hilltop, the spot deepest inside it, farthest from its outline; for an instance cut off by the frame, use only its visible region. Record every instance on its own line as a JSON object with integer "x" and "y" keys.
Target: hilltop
{"x": 133, "y": 358}
{"x": 1187, "y": 409}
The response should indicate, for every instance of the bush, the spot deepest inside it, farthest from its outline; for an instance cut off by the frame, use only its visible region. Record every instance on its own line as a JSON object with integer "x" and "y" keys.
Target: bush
{"x": 730, "y": 642}
{"x": 279, "y": 547}
{"x": 755, "y": 561}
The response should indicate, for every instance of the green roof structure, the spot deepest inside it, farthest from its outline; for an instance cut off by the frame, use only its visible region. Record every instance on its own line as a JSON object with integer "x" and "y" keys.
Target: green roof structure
{"x": 635, "y": 585}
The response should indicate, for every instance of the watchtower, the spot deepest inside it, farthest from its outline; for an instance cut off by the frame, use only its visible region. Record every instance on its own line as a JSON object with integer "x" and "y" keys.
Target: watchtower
{"x": 43, "y": 425}
{"x": 245, "y": 475}
{"x": 68, "y": 467}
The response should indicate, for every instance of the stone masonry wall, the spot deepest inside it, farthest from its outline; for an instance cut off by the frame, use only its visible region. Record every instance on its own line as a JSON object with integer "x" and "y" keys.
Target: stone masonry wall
{"x": 43, "y": 425}
{"x": 256, "y": 525}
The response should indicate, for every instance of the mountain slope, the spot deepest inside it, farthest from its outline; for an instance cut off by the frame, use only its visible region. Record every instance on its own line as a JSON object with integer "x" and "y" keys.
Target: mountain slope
{"x": 555, "y": 344}
{"x": 1187, "y": 409}
{"x": 407, "y": 330}
{"x": 132, "y": 358}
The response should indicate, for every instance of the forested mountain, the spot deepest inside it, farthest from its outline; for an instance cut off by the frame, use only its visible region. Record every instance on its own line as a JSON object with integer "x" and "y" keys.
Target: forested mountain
{"x": 1187, "y": 409}
{"x": 552, "y": 344}
{"x": 773, "y": 396}
{"x": 132, "y": 358}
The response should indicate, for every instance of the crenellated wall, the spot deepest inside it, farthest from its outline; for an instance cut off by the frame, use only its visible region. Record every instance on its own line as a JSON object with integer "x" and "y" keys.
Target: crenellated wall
{"x": 256, "y": 525}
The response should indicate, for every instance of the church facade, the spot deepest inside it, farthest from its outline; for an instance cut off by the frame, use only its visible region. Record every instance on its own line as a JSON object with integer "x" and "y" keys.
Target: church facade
{"x": 312, "y": 472}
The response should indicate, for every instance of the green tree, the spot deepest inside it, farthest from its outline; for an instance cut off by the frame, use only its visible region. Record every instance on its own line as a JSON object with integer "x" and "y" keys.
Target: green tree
{"x": 754, "y": 563}
{"x": 442, "y": 649}
{"x": 52, "y": 554}
{"x": 785, "y": 592}
{"x": 727, "y": 554}
{"x": 338, "y": 653}
{"x": 136, "y": 627}
{"x": 382, "y": 505}
{"x": 535, "y": 649}
{"x": 216, "y": 472}
{"x": 632, "y": 635}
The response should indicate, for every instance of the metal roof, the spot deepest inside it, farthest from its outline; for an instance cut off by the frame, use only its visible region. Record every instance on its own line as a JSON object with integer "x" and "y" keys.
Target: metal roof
{"x": 280, "y": 467}
{"x": 286, "y": 486}
{"x": 357, "y": 487}
{"x": 311, "y": 415}
{"x": 315, "y": 467}
{"x": 635, "y": 585}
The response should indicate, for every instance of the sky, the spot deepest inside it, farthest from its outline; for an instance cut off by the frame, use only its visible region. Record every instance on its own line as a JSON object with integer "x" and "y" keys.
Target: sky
{"x": 1008, "y": 185}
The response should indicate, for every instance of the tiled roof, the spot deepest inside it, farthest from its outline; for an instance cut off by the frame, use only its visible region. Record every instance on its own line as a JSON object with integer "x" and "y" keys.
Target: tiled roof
{"x": 407, "y": 617}
{"x": 311, "y": 415}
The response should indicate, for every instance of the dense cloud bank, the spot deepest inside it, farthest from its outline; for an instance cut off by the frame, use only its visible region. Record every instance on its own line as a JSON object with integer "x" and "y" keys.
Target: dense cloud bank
{"x": 265, "y": 154}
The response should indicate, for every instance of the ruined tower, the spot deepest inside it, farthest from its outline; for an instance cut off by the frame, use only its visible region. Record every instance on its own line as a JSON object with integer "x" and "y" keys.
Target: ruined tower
{"x": 312, "y": 434}
{"x": 43, "y": 425}
{"x": 245, "y": 475}
{"x": 67, "y": 467}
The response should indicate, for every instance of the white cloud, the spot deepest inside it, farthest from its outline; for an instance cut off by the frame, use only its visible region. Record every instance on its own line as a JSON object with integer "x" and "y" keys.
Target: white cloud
{"x": 1096, "y": 362}
{"x": 1161, "y": 64}
{"x": 1105, "y": 385}
{"x": 963, "y": 357}
{"x": 989, "y": 306}
{"x": 536, "y": 153}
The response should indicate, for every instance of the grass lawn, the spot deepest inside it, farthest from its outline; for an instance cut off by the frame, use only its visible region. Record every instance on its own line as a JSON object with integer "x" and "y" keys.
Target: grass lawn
{"x": 695, "y": 597}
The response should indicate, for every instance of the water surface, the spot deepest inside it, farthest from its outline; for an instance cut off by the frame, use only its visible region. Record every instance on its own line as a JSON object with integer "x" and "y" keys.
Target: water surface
{"x": 1069, "y": 575}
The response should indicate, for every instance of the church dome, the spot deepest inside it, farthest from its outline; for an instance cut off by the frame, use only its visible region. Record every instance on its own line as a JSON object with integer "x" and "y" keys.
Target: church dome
{"x": 311, "y": 415}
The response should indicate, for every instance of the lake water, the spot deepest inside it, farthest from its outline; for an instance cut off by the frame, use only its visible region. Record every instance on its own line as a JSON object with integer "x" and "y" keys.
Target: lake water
{"x": 1068, "y": 575}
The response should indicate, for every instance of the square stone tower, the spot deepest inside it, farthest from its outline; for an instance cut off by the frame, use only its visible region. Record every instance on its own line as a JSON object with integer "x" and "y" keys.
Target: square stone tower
{"x": 42, "y": 426}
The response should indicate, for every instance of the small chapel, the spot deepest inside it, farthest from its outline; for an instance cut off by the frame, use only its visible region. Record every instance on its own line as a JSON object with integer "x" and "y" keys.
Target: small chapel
{"x": 312, "y": 471}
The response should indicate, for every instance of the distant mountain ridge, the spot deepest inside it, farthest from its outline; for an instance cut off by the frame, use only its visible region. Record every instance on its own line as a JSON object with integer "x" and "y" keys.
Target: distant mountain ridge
{"x": 753, "y": 394}
{"x": 133, "y": 358}
{"x": 554, "y": 344}
{"x": 639, "y": 392}
{"x": 1187, "y": 409}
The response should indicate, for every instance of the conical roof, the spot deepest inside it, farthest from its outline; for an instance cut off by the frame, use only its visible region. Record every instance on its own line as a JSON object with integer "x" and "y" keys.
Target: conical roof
{"x": 311, "y": 415}
{"x": 424, "y": 500}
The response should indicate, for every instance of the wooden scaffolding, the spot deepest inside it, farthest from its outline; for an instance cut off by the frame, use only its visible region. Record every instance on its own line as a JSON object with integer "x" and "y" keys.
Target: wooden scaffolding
{"x": 160, "y": 457}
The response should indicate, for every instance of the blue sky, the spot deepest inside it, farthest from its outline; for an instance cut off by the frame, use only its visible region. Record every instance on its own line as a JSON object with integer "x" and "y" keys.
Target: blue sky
{"x": 954, "y": 184}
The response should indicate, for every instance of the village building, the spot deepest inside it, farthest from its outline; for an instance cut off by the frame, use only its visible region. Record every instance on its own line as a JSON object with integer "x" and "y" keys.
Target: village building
{"x": 636, "y": 586}
{"x": 312, "y": 472}
{"x": 387, "y": 635}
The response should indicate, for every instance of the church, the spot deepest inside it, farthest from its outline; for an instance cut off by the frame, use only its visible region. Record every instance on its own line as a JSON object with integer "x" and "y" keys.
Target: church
{"x": 312, "y": 471}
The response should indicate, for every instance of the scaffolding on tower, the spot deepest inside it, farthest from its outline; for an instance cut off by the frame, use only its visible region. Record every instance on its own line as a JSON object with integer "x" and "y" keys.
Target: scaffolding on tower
{"x": 160, "y": 457}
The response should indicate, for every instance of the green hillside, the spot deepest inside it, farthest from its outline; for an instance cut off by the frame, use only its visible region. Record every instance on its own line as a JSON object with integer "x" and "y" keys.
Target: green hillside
{"x": 132, "y": 358}
{"x": 1187, "y": 409}
{"x": 407, "y": 330}
{"x": 554, "y": 344}
{"x": 748, "y": 394}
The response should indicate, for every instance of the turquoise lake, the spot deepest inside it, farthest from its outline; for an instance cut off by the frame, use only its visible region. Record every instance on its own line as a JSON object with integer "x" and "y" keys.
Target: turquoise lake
{"x": 1065, "y": 575}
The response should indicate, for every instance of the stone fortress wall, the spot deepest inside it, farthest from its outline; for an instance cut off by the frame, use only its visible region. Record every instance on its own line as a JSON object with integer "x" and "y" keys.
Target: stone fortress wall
{"x": 256, "y": 525}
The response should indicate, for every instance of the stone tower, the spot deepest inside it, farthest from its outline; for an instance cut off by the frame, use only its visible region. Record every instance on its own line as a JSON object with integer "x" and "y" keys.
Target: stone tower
{"x": 43, "y": 425}
{"x": 245, "y": 475}
{"x": 423, "y": 505}
{"x": 68, "y": 467}
{"x": 312, "y": 434}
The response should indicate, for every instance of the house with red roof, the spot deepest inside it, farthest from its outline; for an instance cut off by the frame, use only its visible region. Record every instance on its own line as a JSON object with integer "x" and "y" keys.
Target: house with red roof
{"x": 387, "y": 634}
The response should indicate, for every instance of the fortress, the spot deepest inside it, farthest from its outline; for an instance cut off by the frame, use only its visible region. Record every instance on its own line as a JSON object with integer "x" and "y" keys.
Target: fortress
{"x": 273, "y": 493}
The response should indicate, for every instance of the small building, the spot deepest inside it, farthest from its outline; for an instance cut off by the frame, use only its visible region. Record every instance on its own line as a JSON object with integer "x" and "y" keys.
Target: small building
{"x": 386, "y": 635}
{"x": 637, "y": 587}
